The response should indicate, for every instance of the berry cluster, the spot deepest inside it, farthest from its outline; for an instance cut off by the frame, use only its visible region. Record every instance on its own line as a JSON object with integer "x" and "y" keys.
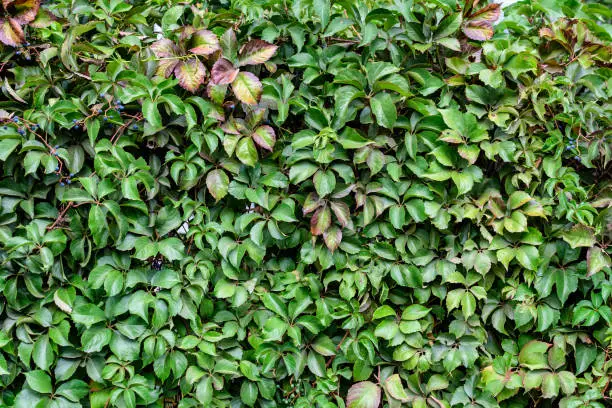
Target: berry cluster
{"x": 572, "y": 146}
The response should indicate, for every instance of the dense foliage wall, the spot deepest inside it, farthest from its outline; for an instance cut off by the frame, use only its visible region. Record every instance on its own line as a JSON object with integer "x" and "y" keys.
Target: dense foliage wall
{"x": 303, "y": 204}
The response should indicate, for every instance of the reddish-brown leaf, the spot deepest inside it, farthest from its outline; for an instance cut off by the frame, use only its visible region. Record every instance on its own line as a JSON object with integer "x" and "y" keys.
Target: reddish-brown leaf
{"x": 10, "y": 32}
{"x": 489, "y": 13}
{"x": 190, "y": 74}
{"x": 223, "y": 72}
{"x": 332, "y": 238}
{"x": 256, "y": 52}
{"x": 265, "y": 137}
{"x": 342, "y": 212}
{"x": 311, "y": 203}
{"x": 165, "y": 48}
{"x": 364, "y": 394}
{"x": 204, "y": 42}
{"x": 321, "y": 220}
{"x": 480, "y": 30}
{"x": 24, "y": 11}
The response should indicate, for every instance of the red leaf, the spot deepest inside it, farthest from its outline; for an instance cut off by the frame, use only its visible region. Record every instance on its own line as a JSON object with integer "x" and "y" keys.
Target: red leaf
{"x": 342, "y": 213}
{"x": 223, "y": 72}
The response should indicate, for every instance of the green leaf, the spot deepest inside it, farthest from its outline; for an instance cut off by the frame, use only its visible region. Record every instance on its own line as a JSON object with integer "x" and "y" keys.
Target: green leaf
{"x": 384, "y": 110}
{"x": 579, "y": 236}
{"x": 246, "y": 151}
{"x": 217, "y": 183}
{"x": 151, "y": 114}
{"x": 7, "y": 146}
{"x": 394, "y": 387}
{"x": 172, "y": 248}
{"x": 87, "y": 314}
{"x": 533, "y": 355}
{"x": 325, "y": 182}
{"x": 39, "y": 381}
{"x": 42, "y": 353}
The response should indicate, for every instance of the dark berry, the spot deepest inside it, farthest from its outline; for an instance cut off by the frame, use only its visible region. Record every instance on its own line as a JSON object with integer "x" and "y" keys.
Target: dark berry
{"x": 62, "y": 183}
{"x": 157, "y": 264}
{"x": 105, "y": 118}
{"x": 102, "y": 95}
{"x": 135, "y": 127}
{"x": 28, "y": 58}
{"x": 56, "y": 147}
{"x": 71, "y": 174}
{"x": 16, "y": 119}
{"x": 74, "y": 121}
{"x": 18, "y": 52}
{"x": 68, "y": 181}
{"x": 57, "y": 168}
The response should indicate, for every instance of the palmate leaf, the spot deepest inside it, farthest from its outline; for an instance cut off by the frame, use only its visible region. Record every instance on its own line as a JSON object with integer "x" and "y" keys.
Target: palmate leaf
{"x": 167, "y": 53}
{"x": 191, "y": 74}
